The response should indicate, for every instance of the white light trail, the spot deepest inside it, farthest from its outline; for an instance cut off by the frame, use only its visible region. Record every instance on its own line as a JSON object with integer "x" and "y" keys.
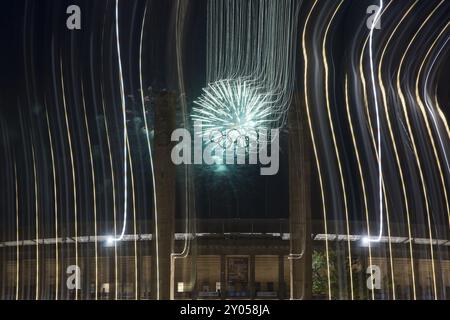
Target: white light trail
{"x": 152, "y": 168}
{"x": 125, "y": 132}
{"x": 428, "y": 104}
{"x": 375, "y": 97}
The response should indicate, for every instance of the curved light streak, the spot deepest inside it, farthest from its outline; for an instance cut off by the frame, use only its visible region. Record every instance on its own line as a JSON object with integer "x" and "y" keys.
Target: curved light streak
{"x": 411, "y": 135}
{"x": 433, "y": 116}
{"x": 394, "y": 144}
{"x": 336, "y": 148}
{"x": 360, "y": 171}
{"x": 16, "y": 187}
{"x": 431, "y": 112}
{"x": 150, "y": 152}
{"x": 187, "y": 241}
{"x": 133, "y": 202}
{"x": 316, "y": 156}
{"x": 125, "y": 132}
{"x": 36, "y": 221}
{"x": 94, "y": 193}
{"x": 379, "y": 155}
{"x": 110, "y": 239}
{"x": 72, "y": 165}
{"x": 55, "y": 205}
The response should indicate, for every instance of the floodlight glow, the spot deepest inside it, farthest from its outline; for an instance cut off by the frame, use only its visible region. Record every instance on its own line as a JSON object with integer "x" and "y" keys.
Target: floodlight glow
{"x": 365, "y": 241}
{"x": 110, "y": 241}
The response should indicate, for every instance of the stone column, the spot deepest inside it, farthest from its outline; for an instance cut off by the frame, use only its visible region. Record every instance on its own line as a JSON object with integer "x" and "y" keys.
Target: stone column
{"x": 164, "y": 218}
{"x": 281, "y": 284}
{"x": 223, "y": 284}
{"x": 300, "y": 202}
{"x": 251, "y": 284}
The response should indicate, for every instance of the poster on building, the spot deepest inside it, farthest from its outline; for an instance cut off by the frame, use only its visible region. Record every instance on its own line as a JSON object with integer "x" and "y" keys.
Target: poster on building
{"x": 238, "y": 269}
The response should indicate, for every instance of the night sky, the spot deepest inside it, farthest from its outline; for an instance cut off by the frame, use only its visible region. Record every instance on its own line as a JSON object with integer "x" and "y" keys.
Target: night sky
{"x": 38, "y": 44}
{"x": 38, "y": 51}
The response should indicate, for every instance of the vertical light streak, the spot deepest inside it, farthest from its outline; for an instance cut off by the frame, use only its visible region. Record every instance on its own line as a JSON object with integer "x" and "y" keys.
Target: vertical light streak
{"x": 16, "y": 185}
{"x": 36, "y": 207}
{"x": 361, "y": 175}
{"x": 443, "y": 118}
{"x": 125, "y": 131}
{"x": 113, "y": 184}
{"x": 55, "y": 203}
{"x": 125, "y": 156}
{"x": 366, "y": 104}
{"x": 133, "y": 200}
{"x": 264, "y": 61}
{"x": 377, "y": 145}
{"x": 72, "y": 164}
{"x": 187, "y": 241}
{"x": 113, "y": 177}
{"x": 391, "y": 262}
{"x": 316, "y": 156}
{"x": 410, "y": 132}
{"x": 336, "y": 148}
{"x": 147, "y": 138}
{"x": 447, "y": 127}
{"x": 369, "y": 121}
{"x": 427, "y": 123}
{"x": 394, "y": 144}
{"x": 115, "y": 239}
{"x": 375, "y": 98}
{"x": 432, "y": 113}
{"x": 94, "y": 193}
{"x": 430, "y": 134}
{"x": 383, "y": 191}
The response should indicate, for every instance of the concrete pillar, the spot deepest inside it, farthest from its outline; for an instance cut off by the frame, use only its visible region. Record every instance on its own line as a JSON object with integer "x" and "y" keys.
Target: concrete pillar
{"x": 140, "y": 270}
{"x": 137, "y": 289}
{"x": 418, "y": 278}
{"x": 223, "y": 284}
{"x": 440, "y": 288}
{"x": 112, "y": 275}
{"x": 164, "y": 220}
{"x": 300, "y": 202}
{"x": 251, "y": 284}
{"x": 281, "y": 284}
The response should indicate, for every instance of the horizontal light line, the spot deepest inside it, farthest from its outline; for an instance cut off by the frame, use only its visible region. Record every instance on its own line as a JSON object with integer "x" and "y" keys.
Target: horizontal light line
{"x": 184, "y": 236}
{"x": 354, "y": 238}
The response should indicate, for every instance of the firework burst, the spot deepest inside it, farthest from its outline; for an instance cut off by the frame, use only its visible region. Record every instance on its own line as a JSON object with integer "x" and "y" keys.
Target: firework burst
{"x": 233, "y": 111}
